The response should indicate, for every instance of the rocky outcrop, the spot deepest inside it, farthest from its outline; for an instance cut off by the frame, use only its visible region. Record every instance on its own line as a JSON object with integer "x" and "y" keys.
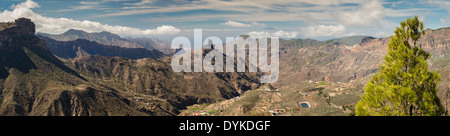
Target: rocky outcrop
{"x": 22, "y": 32}
{"x": 435, "y": 39}
{"x": 25, "y": 26}
{"x": 21, "y": 27}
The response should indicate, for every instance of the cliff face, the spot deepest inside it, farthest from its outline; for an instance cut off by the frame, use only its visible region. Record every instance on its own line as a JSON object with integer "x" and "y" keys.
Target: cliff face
{"x": 434, "y": 39}
{"x": 21, "y": 32}
{"x": 20, "y": 26}
{"x": 24, "y": 27}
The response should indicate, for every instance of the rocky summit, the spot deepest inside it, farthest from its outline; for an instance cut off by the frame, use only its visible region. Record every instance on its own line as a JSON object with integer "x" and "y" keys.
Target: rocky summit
{"x": 21, "y": 30}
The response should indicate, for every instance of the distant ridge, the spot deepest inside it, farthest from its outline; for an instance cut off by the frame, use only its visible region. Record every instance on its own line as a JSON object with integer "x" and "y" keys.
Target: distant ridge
{"x": 105, "y": 38}
{"x": 108, "y": 38}
{"x": 349, "y": 40}
{"x": 81, "y": 47}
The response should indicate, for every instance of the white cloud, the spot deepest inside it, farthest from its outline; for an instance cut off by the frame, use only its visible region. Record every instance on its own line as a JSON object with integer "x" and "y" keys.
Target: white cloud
{"x": 258, "y": 24}
{"x": 144, "y": 2}
{"x": 380, "y": 34}
{"x": 27, "y": 4}
{"x": 446, "y": 6}
{"x": 280, "y": 33}
{"x": 369, "y": 14}
{"x": 239, "y": 24}
{"x": 165, "y": 29}
{"x": 60, "y": 25}
{"x": 312, "y": 31}
{"x": 89, "y": 5}
{"x": 236, "y": 24}
{"x": 89, "y": 2}
{"x": 323, "y": 30}
{"x": 445, "y": 21}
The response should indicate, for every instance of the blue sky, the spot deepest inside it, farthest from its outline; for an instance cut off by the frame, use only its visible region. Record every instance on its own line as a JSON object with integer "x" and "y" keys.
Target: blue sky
{"x": 316, "y": 19}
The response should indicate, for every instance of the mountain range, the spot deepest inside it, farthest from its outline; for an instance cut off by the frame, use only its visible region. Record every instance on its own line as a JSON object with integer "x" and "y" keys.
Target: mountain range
{"x": 79, "y": 73}
{"x": 34, "y": 82}
{"x": 81, "y": 47}
{"x": 107, "y": 38}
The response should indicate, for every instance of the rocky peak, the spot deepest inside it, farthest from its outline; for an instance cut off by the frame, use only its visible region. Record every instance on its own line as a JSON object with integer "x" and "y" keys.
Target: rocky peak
{"x": 74, "y": 32}
{"x": 367, "y": 39}
{"x": 25, "y": 26}
{"x": 20, "y": 27}
{"x": 21, "y": 32}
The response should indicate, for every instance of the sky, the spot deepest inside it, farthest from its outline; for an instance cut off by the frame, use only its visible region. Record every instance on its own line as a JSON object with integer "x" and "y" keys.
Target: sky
{"x": 287, "y": 19}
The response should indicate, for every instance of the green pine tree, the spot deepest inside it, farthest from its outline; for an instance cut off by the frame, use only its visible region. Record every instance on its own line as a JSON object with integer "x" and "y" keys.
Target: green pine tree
{"x": 403, "y": 86}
